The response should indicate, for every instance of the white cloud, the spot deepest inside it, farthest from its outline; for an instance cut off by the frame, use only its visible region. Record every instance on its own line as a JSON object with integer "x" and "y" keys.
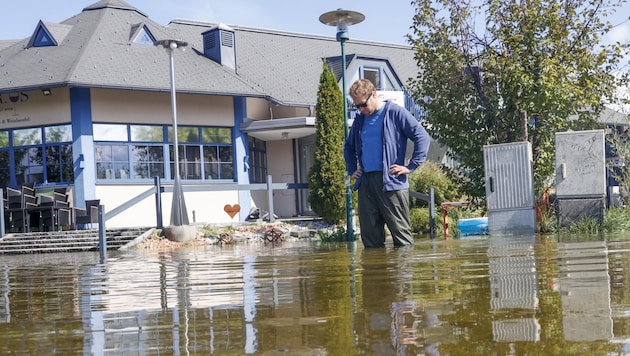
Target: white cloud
{"x": 619, "y": 33}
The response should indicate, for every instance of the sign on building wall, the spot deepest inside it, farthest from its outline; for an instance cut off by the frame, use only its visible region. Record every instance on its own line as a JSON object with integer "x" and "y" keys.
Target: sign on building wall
{"x": 397, "y": 97}
{"x": 34, "y": 108}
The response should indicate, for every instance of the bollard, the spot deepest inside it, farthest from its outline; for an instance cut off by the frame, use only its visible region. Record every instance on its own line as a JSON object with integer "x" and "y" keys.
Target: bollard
{"x": 158, "y": 202}
{"x": 102, "y": 242}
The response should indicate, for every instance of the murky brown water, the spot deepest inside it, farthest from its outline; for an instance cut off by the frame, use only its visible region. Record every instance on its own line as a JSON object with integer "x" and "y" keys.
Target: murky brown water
{"x": 497, "y": 295}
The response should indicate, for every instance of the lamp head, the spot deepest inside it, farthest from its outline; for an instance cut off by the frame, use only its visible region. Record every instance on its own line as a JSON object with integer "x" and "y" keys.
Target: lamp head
{"x": 341, "y": 19}
{"x": 171, "y": 44}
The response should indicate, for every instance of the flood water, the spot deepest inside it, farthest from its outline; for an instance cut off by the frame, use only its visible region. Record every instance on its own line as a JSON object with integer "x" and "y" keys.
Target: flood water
{"x": 496, "y": 295}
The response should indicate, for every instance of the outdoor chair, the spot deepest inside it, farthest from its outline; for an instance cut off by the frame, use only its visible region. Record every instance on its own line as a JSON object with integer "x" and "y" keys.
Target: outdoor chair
{"x": 89, "y": 215}
{"x": 21, "y": 212}
{"x": 55, "y": 211}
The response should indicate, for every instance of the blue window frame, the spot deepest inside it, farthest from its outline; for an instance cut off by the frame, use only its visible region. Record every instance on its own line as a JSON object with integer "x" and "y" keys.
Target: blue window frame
{"x": 257, "y": 160}
{"x": 43, "y": 38}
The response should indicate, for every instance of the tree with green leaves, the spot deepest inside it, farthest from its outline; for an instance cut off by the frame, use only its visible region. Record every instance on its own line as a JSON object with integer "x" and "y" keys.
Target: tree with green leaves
{"x": 326, "y": 177}
{"x": 532, "y": 69}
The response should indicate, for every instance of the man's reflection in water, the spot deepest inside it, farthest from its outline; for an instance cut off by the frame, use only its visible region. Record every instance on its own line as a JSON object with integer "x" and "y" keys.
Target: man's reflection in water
{"x": 388, "y": 320}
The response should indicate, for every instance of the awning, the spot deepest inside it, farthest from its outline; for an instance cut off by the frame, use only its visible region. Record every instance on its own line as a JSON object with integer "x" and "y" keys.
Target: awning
{"x": 279, "y": 129}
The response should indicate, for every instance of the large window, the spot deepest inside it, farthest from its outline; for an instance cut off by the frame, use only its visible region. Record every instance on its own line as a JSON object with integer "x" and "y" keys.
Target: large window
{"x": 40, "y": 155}
{"x": 5, "y": 173}
{"x": 58, "y": 158}
{"x": 142, "y": 151}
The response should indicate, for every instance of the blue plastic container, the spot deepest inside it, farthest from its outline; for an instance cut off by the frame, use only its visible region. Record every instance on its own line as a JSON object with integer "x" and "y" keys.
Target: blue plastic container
{"x": 474, "y": 226}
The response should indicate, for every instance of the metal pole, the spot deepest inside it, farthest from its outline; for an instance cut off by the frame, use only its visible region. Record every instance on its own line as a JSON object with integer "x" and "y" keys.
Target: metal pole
{"x": 178, "y": 215}
{"x": 102, "y": 242}
{"x": 270, "y": 198}
{"x": 158, "y": 202}
{"x": 2, "y": 222}
{"x": 349, "y": 217}
{"x": 432, "y": 212}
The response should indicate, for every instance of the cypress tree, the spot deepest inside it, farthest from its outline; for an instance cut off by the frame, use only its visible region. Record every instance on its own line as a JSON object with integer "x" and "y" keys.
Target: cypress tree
{"x": 326, "y": 177}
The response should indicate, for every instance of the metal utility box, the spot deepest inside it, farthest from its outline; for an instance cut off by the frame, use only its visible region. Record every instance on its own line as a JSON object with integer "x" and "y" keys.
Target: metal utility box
{"x": 510, "y": 188}
{"x": 580, "y": 176}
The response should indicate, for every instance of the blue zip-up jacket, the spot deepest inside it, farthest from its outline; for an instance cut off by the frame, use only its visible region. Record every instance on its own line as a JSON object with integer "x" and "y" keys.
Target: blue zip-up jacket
{"x": 398, "y": 127}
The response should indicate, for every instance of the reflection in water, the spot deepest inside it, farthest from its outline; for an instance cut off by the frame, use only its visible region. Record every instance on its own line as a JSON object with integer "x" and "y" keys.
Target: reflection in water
{"x": 92, "y": 286}
{"x": 249, "y": 302}
{"x": 497, "y": 295}
{"x": 513, "y": 286}
{"x": 5, "y": 307}
{"x": 387, "y": 302}
{"x": 585, "y": 291}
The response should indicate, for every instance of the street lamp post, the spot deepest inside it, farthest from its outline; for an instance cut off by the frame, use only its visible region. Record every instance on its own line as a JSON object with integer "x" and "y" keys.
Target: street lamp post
{"x": 342, "y": 19}
{"x": 179, "y": 216}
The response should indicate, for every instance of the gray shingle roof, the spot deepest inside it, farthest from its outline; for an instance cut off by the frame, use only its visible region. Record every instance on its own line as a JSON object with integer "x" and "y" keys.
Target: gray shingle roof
{"x": 94, "y": 51}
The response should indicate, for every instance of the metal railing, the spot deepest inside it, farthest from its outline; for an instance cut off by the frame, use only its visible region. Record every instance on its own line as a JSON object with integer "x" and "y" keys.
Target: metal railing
{"x": 158, "y": 189}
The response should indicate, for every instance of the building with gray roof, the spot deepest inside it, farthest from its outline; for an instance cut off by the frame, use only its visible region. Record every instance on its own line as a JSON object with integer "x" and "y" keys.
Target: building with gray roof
{"x": 85, "y": 103}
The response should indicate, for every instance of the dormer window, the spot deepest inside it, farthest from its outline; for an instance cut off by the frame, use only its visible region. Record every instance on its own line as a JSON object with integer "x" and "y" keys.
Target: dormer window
{"x": 48, "y": 34}
{"x": 140, "y": 34}
{"x": 43, "y": 38}
{"x": 378, "y": 76}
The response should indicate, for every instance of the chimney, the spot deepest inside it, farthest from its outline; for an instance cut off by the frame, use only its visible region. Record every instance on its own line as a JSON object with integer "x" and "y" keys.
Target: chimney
{"x": 218, "y": 45}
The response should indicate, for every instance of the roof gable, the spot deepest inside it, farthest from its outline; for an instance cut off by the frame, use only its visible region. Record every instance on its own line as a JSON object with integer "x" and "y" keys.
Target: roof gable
{"x": 335, "y": 64}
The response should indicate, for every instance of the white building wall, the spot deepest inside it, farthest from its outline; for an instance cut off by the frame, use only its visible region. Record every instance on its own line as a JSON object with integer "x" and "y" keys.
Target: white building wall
{"x": 207, "y": 207}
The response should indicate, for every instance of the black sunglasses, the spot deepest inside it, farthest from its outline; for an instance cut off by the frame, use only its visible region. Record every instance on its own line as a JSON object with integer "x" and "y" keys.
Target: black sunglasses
{"x": 365, "y": 104}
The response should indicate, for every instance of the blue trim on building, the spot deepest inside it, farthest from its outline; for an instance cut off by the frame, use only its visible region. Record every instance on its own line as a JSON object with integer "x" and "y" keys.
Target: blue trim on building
{"x": 240, "y": 151}
{"x": 81, "y": 112}
{"x": 82, "y": 145}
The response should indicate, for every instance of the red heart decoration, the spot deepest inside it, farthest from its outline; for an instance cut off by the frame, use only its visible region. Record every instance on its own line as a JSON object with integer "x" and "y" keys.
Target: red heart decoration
{"x": 232, "y": 210}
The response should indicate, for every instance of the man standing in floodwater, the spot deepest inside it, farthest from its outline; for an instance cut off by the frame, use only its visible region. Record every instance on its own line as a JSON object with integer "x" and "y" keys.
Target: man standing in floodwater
{"x": 374, "y": 153}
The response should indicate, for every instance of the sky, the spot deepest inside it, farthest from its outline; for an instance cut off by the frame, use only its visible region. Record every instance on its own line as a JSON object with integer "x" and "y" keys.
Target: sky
{"x": 385, "y": 21}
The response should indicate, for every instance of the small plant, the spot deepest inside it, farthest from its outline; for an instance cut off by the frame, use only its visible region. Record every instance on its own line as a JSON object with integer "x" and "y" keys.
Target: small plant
{"x": 339, "y": 235}
{"x": 547, "y": 221}
{"x": 617, "y": 219}
{"x": 585, "y": 225}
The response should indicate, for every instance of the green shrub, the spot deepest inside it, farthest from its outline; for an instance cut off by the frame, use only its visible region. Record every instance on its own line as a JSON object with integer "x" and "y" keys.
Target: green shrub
{"x": 431, "y": 175}
{"x": 419, "y": 218}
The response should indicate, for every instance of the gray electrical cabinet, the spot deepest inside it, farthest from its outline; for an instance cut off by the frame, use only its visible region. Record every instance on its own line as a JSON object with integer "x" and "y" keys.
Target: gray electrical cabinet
{"x": 580, "y": 176}
{"x": 509, "y": 179}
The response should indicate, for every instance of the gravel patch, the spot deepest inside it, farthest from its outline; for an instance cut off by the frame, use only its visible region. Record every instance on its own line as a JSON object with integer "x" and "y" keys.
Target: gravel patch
{"x": 255, "y": 232}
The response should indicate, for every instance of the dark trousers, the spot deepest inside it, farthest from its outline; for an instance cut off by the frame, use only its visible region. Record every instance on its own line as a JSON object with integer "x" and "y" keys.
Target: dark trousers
{"x": 377, "y": 208}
